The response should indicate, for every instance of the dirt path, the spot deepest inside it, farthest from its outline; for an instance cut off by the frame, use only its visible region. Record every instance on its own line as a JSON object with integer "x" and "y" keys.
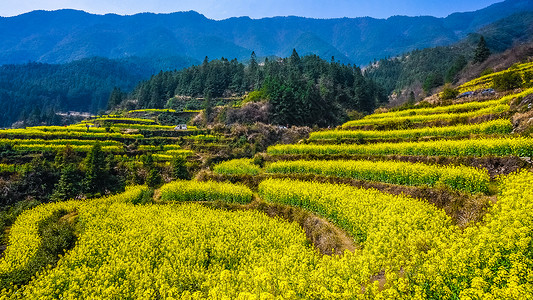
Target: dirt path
{"x": 327, "y": 238}
{"x": 463, "y": 208}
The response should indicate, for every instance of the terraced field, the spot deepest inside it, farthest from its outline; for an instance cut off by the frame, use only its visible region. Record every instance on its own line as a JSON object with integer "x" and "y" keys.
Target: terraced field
{"x": 524, "y": 70}
{"x": 411, "y": 214}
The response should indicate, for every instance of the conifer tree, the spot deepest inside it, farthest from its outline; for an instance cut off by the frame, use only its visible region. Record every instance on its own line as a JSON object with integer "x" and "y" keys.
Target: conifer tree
{"x": 153, "y": 179}
{"x": 95, "y": 173}
{"x": 179, "y": 168}
{"x": 68, "y": 186}
{"x": 482, "y": 51}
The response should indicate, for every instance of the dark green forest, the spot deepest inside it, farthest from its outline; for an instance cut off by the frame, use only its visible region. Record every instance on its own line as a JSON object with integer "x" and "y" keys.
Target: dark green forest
{"x": 34, "y": 92}
{"x": 301, "y": 90}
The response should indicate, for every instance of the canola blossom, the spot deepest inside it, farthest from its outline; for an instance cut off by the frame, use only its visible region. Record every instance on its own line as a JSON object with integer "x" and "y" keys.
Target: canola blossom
{"x": 54, "y": 148}
{"x": 203, "y": 137}
{"x": 74, "y": 127}
{"x": 11, "y": 168}
{"x": 24, "y": 239}
{"x": 142, "y": 126}
{"x": 469, "y": 179}
{"x": 518, "y": 146}
{"x": 159, "y": 148}
{"x": 73, "y": 142}
{"x": 118, "y": 119}
{"x": 497, "y": 109}
{"x": 149, "y": 127}
{"x": 241, "y": 166}
{"x": 149, "y": 110}
{"x": 57, "y": 134}
{"x": 171, "y": 252}
{"x": 39, "y": 145}
{"x": 192, "y": 252}
{"x": 453, "y": 108}
{"x": 183, "y": 190}
{"x": 170, "y": 154}
{"x": 491, "y": 260}
{"x": 394, "y": 232}
{"x": 486, "y": 81}
{"x": 499, "y": 126}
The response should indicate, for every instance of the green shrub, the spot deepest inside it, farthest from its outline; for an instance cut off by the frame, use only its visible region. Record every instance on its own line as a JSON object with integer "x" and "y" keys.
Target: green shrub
{"x": 254, "y": 96}
{"x": 448, "y": 92}
{"x": 487, "y": 71}
{"x": 507, "y": 81}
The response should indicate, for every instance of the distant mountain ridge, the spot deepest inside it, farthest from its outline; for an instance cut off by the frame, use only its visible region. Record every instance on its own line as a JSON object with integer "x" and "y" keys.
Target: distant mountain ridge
{"x": 67, "y": 35}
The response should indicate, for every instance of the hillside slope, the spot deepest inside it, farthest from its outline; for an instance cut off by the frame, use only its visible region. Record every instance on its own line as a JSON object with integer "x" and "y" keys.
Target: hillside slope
{"x": 66, "y": 35}
{"x": 34, "y": 92}
{"x": 431, "y": 202}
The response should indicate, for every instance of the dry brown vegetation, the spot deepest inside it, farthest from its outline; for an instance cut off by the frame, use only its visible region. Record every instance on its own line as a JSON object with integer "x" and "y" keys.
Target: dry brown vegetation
{"x": 523, "y": 118}
{"x": 498, "y": 62}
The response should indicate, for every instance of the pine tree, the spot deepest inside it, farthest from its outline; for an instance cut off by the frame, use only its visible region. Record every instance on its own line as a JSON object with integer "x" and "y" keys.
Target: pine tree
{"x": 179, "y": 167}
{"x": 153, "y": 179}
{"x": 253, "y": 72}
{"x": 482, "y": 51}
{"x": 208, "y": 106}
{"x": 95, "y": 174}
{"x": 411, "y": 100}
{"x": 68, "y": 186}
{"x": 253, "y": 61}
{"x": 115, "y": 98}
{"x": 295, "y": 61}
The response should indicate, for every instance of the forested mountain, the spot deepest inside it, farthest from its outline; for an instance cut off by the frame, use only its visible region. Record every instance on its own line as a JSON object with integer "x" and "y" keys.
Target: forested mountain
{"x": 432, "y": 67}
{"x": 145, "y": 44}
{"x": 34, "y": 92}
{"x": 300, "y": 91}
{"x": 67, "y": 35}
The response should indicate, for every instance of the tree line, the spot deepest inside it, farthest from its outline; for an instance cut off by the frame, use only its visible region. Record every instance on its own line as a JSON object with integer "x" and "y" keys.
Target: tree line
{"x": 301, "y": 90}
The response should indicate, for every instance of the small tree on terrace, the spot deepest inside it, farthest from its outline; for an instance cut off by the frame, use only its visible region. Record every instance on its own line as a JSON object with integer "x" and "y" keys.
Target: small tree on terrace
{"x": 95, "y": 172}
{"x": 68, "y": 186}
{"x": 179, "y": 167}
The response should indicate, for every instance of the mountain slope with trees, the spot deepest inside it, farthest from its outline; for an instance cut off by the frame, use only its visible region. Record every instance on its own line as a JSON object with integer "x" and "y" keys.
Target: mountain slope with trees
{"x": 300, "y": 90}
{"x": 67, "y": 35}
{"x": 35, "y": 92}
{"x": 422, "y": 70}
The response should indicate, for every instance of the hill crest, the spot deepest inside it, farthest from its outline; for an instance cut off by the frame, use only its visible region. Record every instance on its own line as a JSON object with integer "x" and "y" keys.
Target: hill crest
{"x": 65, "y": 35}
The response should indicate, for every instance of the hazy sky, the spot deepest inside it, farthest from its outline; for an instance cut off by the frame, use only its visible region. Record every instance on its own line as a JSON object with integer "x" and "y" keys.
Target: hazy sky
{"x": 222, "y": 9}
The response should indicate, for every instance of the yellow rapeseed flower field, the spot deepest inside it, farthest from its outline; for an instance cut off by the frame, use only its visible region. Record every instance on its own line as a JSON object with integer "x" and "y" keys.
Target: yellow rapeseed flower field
{"x": 518, "y": 146}
{"x": 464, "y": 178}
{"x": 499, "y": 126}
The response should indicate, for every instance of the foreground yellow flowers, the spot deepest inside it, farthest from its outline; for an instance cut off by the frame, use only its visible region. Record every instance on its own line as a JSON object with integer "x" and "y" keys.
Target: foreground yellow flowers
{"x": 171, "y": 251}
{"x": 188, "y": 251}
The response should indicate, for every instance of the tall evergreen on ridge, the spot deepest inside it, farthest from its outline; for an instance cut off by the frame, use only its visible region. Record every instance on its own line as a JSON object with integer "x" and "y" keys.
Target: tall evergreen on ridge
{"x": 482, "y": 51}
